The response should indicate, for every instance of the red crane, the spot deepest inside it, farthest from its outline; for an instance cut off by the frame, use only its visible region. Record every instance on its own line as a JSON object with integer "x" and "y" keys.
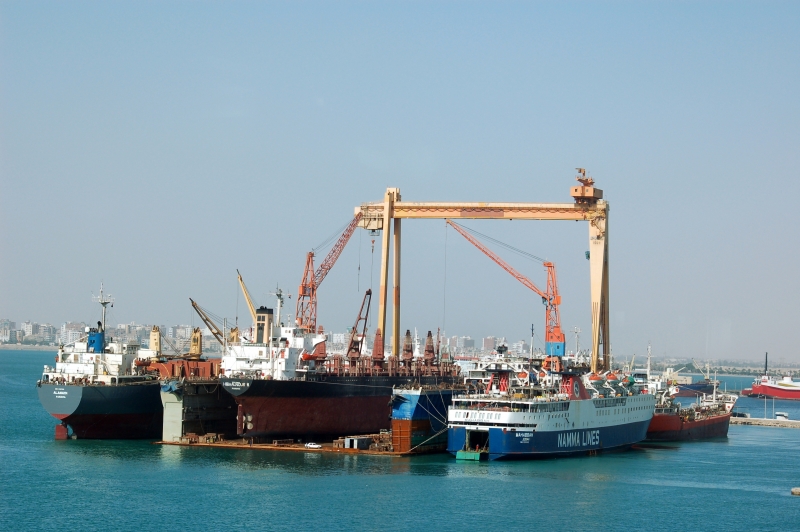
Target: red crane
{"x": 554, "y": 336}
{"x": 306, "y": 310}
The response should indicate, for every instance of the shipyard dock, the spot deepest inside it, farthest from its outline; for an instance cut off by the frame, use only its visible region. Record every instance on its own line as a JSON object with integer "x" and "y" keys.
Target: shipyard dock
{"x": 761, "y": 422}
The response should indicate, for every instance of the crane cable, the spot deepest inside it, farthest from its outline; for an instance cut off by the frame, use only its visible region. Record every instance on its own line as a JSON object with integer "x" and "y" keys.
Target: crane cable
{"x": 520, "y": 252}
{"x": 327, "y": 242}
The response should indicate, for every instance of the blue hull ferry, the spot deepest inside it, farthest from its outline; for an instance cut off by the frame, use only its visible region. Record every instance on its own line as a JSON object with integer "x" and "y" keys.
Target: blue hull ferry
{"x": 562, "y": 414}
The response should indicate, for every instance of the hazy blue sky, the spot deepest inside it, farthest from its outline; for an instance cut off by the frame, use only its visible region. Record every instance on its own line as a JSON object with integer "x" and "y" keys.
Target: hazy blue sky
{"x": 159, "y": 146}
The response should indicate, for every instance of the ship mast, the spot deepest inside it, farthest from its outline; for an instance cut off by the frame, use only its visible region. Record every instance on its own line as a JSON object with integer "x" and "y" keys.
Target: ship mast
{"x": 105, "y": 301}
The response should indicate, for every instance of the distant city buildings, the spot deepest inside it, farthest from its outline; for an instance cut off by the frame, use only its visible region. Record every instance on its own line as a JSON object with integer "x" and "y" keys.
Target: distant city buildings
{"x": 176, "y": 338}
{"x": 71, "y": 332}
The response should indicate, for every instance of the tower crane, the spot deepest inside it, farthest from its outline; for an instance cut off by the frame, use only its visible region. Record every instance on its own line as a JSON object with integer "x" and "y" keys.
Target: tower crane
{"x": 306, "y": 311}
{"x": 554, "y": 336}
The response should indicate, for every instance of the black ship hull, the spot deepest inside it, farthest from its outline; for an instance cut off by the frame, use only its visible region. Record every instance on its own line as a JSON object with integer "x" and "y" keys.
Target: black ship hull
{"x": 126, "y": 411}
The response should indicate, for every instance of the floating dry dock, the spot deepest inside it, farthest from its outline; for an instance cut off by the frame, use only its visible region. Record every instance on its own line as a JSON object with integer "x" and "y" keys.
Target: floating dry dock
{"x": 369, "y": 444}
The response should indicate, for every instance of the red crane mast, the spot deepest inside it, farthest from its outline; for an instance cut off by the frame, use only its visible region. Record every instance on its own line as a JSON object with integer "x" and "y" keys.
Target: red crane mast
{"x": 306, "y": 310}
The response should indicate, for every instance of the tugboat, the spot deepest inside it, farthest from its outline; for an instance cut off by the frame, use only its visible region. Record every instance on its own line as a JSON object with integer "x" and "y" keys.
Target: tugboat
{"x": 94, "y": 389}
{"x": 557, "y": 412}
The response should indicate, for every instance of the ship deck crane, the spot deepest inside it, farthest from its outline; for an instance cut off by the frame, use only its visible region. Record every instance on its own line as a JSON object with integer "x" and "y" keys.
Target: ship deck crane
{"x": 356, "y": 343}
{"x": 554, "y": 336}
{"x": 306, "y": 309}
{"x": 209, "y": 322}
{"x": 250, "y": 306}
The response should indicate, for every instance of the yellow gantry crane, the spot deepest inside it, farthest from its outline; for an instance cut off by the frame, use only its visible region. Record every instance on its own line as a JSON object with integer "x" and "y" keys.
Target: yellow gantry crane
{"x": 588, "y": 205}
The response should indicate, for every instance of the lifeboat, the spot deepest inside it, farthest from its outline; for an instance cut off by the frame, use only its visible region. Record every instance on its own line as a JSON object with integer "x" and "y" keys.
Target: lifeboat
{"x": 612, "y": 378}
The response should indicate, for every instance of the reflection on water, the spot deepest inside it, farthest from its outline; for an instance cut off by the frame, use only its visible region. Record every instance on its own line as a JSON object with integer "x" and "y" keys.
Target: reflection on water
{"x": 138, "y": 485}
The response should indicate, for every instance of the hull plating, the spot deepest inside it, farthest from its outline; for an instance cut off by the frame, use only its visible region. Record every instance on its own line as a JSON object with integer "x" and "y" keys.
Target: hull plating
{"x": 329, "y": 406}
{"x": 516, "y": 444}
{"x": 130, "y": 411}
{"x": 777, "y": 392}
{"x": 419, "y": 420}
{"x": 696, "y": 388}
{"x": 670, "y": 427}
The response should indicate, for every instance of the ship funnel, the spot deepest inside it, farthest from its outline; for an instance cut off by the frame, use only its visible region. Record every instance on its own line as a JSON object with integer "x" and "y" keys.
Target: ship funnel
{"x": 264, "y": 322}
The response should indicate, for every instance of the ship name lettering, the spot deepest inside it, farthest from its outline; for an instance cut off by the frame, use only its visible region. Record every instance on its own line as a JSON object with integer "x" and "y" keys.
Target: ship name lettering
{"x": 579, "y": 438}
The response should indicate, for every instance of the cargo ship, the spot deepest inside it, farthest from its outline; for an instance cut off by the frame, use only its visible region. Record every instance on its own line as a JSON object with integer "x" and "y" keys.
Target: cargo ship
{"x": 709, "y": 418}
{"x": 555, "y": 412}
{"x": 286, "y": 385}
{"x": 95, "y": 392}
{"x": 773, "y": 387}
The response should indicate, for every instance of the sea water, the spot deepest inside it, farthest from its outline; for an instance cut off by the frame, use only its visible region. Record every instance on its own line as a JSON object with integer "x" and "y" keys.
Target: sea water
{"x": 739, "y": 483}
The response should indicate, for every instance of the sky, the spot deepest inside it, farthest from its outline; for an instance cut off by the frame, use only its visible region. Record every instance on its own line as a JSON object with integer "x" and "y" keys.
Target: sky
{"x": 158, "y": 147}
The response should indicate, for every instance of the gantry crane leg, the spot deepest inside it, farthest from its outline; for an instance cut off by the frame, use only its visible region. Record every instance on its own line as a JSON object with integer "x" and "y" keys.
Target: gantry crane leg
{"x": 598, "y": 272}
{"x": 396, "y": 293}
{"x": 388, "y": 204}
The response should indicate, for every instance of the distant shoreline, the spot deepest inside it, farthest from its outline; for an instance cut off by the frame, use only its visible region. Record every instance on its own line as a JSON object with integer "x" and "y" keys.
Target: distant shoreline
{"x": 24, "y": 347}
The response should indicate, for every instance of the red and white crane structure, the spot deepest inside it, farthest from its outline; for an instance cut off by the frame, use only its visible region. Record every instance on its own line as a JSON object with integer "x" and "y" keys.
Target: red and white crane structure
{"x": 554, "y": 336}
{"x": 306, "y": 310}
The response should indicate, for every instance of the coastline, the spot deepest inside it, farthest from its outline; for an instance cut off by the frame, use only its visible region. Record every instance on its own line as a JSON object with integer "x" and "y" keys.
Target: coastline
{"x": 25, "y": 347}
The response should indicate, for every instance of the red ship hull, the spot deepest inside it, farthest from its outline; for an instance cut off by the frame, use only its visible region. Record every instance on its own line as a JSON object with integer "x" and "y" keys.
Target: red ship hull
{"x": 323, "y": 406}
{"x": 777, "y": 392}
{"x": 315, "y": 417}
{"x": 671, "y": 427}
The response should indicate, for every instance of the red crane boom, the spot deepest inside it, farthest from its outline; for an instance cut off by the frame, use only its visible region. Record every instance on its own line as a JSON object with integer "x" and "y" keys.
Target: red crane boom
{"x": 306, "y": 309}
{"x": 554, "y": 336}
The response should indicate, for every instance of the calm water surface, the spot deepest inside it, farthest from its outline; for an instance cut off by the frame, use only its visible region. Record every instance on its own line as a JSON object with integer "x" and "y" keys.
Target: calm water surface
{"x": 741, "y": 483}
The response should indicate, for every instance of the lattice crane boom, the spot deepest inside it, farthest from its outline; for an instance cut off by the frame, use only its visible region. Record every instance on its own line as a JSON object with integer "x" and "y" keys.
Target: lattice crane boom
{"x": 336, "y": 250}
{"x": 306, "y": 308}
